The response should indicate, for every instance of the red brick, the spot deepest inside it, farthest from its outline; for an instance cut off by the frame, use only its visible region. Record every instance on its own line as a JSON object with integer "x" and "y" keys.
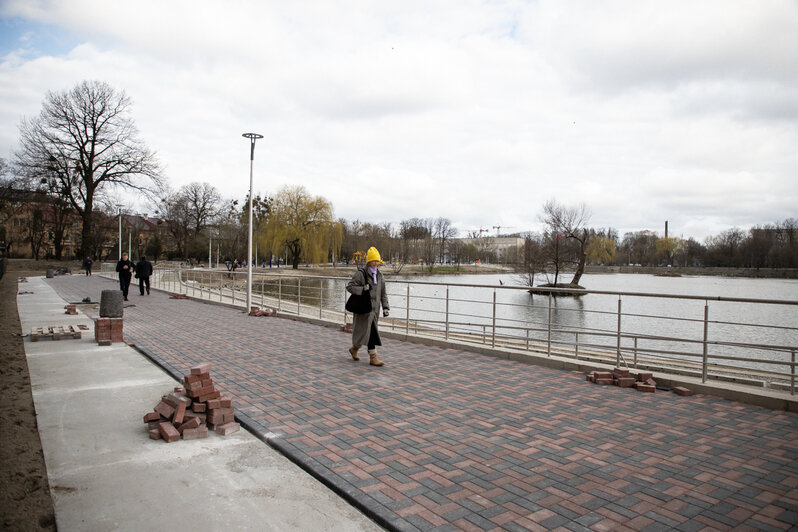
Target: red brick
{"x": 202, "y": 368}
{"x": 626, "y": 382}
{"x": 621, "y": 372}
{"x": 164, "y": 409}
{"x": 645, "y": 387}
{"x": 191, "y": 424}
{"x": 605, "y": 381}
{"x": 214, "y": 403}
{"x": 198, "y": 407}
{"x": 644, "y": 376}
{"x": 168, "y": 432}
{"x": 207, "y": 381}
{"x": 151, "y": 416}
{"x": 180, "y": 411}
{"x": 651, "y": 382}
{"x": 221, "y": 416}
{"x": 227, "y": 402}
{"x": 603, "y": 374}
{"x": 180, "y": 389}
{"x": 200, "y": 392}
{"x": 681, "y": 390}
{"x": 228, "y": 428}
{"x": 196, "y": 433}
{"x": 175, "y": 399}
{"x": 213, "y": 395}
{"x": 590, "y": 378}
{"x": 155, "y": 434}
{"x": 154, "y": 424}
{"x": 191, "y": 379}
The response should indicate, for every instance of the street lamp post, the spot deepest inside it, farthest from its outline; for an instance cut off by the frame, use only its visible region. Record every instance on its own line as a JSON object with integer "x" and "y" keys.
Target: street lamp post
{"x": 252, "y": 138}
{"x": 119, "y": 208}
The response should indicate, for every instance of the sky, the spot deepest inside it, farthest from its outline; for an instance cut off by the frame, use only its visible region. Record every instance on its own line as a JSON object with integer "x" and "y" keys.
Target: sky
{"x": 476, "y": 111}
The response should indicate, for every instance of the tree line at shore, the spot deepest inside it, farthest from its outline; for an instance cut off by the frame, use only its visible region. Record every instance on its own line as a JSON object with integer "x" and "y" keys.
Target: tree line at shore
{"x": 83, "y": 149}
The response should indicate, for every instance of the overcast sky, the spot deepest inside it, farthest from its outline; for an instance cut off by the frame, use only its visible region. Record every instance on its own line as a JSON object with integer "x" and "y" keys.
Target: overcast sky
{"x": 478, "y": 111}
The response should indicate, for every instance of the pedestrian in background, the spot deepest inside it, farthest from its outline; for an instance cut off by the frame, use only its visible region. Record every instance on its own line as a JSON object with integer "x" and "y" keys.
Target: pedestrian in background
{"x": 143, "y": 272}
{"x": 364, "y": 327}
{"x": 87, "y": 262}
{"x": 125, "y": 268}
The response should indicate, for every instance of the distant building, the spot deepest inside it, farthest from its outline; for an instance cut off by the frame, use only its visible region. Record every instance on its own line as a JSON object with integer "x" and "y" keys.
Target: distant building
{"x": 504, "y": 249}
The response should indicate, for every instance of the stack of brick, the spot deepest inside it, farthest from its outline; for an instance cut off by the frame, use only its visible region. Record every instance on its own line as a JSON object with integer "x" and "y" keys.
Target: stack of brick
{"x": 642, "y": 382}
{"x": 108, "y": 330}
{"x": 178, "y": 296}
{"x": 71, "y": 308}
{"x": 255, "y": 311}
{"x": 191, "y": 410}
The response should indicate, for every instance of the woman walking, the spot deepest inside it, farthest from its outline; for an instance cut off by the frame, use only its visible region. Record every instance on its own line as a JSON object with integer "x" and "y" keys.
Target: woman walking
{"x": 364, "y": 328}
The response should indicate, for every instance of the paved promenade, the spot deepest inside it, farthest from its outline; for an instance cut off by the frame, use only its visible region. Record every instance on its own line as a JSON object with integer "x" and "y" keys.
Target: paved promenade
{"x": 442, "y": 439}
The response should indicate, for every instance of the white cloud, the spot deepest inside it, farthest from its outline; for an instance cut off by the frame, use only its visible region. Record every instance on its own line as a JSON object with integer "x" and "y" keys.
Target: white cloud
{"x": 477, "y": 111}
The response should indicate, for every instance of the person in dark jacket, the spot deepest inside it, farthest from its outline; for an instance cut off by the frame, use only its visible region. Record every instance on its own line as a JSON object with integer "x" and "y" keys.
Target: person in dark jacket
{"x": 125, "y": 268}
{"x": 143, "y": 272}
{"x": 87, "y": 264}
{"x": 364, "y": 326}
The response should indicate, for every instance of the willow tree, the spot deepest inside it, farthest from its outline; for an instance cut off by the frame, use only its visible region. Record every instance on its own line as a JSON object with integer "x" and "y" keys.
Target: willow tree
{"x": 86, "y": 141}
{"x": 303, "y": 225}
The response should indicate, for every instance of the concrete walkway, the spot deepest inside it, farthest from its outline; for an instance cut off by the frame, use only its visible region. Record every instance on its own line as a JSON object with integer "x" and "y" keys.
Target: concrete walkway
{"x": 442, "y": 439}
{"x": 106, "y": 474}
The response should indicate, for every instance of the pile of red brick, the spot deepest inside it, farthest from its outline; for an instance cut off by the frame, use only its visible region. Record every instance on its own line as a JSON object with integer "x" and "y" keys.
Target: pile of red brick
{"x": 178, "y": 296}
{"x": 108, "y": 330}
{"x": 71, "y": 308}
{"x": 255, "y": 311}
{"x": 643, "y": 381}
{"x": 192, "y": 409}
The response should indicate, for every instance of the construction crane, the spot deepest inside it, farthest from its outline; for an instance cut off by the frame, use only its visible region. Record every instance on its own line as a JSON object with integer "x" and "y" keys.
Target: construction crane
{"x": 498, "y": 228}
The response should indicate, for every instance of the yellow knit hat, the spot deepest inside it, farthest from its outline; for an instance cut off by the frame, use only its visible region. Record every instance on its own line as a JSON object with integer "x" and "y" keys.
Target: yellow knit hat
{"x": 372, "y": 254}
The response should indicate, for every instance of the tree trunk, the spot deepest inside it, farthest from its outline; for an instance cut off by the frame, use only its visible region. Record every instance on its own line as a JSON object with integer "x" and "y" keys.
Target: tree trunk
{"x": 580, "y": 268}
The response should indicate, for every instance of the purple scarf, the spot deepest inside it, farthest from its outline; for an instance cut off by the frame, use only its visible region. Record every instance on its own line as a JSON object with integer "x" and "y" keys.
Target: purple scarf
{"x": 373, "y": 272}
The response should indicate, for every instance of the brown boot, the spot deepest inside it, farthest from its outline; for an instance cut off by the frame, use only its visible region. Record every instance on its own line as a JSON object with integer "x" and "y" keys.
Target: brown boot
{"x": 353, "y": 352}
{"x": 373, "y": 360}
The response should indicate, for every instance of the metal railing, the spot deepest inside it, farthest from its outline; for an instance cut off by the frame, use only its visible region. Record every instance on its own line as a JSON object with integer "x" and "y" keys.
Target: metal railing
{"x": 699, "y": 336}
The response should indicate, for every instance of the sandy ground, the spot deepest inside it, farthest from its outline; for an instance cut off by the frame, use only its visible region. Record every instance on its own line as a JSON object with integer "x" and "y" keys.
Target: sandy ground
{"x": 25, "y": 502}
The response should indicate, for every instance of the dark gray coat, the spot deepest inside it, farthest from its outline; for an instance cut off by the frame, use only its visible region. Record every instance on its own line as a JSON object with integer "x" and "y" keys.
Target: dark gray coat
{"x": 361, "y": 326}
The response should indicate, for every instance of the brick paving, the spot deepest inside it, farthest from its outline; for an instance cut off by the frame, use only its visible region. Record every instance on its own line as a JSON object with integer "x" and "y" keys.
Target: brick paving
{"x": 443, "y": 439}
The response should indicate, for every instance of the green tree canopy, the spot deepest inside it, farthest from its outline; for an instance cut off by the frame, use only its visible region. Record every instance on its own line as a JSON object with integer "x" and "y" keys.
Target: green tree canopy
{"x": 303, "y": 225}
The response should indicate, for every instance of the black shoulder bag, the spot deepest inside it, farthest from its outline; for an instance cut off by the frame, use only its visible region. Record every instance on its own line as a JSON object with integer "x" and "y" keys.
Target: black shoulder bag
{"x": 360, "y": 304}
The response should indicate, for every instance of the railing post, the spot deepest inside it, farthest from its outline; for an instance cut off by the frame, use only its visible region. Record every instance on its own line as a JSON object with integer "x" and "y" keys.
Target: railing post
{"x": 792, "y": 374}
{"x": 407, "y": 311}
{"x": 618, "y": 343}
{"x": 548, "y": 334}
{"x": 706, "y": 334}
{"x": 576, "y": 344}
{"x": 493, "y": 322}
{"x": 527, "y": 339}
{"x": 634, "y": 363}
{"x": 346, "y": 295}
{"x": 299, "y": 296}
{"x": 280, "y": 293}
{"x": 447, "y": 313}
{"x": 321, "y": 295}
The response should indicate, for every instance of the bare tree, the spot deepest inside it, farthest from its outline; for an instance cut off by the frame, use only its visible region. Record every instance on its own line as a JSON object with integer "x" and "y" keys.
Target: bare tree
{"x": 444, "y": 232}
{"x": 570, "y": 223}
{"x": 87, "y": 140}
{"x": 203, "y": 204}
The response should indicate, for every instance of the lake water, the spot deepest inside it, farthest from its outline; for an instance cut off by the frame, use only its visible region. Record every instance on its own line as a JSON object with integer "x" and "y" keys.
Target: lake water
{"x": 644, "y": 317}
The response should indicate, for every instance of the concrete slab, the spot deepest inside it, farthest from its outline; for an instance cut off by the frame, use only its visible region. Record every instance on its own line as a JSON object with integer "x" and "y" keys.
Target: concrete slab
{"x": 106, "y": 474}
